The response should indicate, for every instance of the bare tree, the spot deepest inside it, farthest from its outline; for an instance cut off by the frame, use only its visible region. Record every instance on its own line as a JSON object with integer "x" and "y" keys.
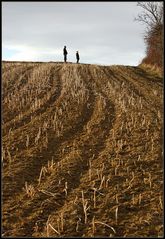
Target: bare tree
{"x": 152, "y": 13}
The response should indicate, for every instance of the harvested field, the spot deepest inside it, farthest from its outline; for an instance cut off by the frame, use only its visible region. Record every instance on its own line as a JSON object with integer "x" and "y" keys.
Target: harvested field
{"x": 82, "y": 150}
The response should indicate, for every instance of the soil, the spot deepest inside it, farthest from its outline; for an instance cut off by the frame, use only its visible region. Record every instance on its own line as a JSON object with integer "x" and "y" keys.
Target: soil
{"x": 82, "y": 150}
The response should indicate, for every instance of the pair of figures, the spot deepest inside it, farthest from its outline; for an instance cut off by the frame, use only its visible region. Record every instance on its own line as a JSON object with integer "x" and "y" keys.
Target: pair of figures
{"x": 65, "y": 55}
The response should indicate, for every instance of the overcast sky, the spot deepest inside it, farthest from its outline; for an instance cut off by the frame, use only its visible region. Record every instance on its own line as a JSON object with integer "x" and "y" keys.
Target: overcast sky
{"x": 103, "y": 32}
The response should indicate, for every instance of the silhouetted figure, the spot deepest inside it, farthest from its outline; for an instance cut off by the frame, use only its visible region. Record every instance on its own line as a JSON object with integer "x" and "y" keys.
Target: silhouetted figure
{"x": 77, "y": 56}
{"x": 65, "y": 54}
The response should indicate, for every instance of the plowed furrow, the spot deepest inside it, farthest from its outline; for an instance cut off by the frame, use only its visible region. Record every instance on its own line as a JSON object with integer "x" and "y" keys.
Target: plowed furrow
{"x": 15, "y": 124}
{"x": 19, "y": 81}
{"x": 17, "y": 78}
{"x": 34, "y": 165}
{"x": 145, "y": 86}
{"x": 87, "y": 151}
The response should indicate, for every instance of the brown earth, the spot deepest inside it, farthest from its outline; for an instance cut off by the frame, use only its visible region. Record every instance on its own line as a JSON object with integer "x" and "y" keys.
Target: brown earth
{"x": 82, "y": 150}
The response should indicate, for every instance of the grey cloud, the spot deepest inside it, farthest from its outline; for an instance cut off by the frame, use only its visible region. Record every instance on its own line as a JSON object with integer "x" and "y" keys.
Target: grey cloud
{"x": 100, "y": 27}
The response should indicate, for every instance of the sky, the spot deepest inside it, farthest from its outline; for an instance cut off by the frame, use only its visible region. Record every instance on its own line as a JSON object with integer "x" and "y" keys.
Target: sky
{"x": 104, "y": 33}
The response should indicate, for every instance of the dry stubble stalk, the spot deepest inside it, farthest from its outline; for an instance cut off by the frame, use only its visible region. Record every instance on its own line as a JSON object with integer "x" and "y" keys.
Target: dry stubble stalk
{"x": 85, "y": 208}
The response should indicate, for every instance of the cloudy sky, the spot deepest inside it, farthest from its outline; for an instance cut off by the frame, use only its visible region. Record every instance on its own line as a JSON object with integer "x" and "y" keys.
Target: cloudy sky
{"x": 103, "y": 32}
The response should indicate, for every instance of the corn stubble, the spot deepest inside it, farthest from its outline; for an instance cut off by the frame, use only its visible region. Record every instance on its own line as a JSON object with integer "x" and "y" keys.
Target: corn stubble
{"x": 82, "y": 150}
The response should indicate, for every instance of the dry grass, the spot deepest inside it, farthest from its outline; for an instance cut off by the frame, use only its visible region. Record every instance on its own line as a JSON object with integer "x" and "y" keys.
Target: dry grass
{"x": 153, "y": 69}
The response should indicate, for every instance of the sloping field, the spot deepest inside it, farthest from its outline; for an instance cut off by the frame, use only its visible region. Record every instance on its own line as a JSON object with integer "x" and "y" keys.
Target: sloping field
{"x": 82, "y": 151}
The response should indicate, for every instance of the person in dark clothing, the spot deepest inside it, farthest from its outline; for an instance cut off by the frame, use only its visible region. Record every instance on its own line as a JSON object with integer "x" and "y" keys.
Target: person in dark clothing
{"x": 65, "y": 54}
{"x": 77, "y": 56}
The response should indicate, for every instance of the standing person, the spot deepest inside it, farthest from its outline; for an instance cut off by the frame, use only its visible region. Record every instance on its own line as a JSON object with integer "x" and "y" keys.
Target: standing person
{"x": 77, "y": 56}
{"x": 65, "y": 54}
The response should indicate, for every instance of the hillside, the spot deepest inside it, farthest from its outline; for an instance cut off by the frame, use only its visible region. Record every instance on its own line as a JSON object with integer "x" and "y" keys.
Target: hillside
{"x": 82, "y": 150}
